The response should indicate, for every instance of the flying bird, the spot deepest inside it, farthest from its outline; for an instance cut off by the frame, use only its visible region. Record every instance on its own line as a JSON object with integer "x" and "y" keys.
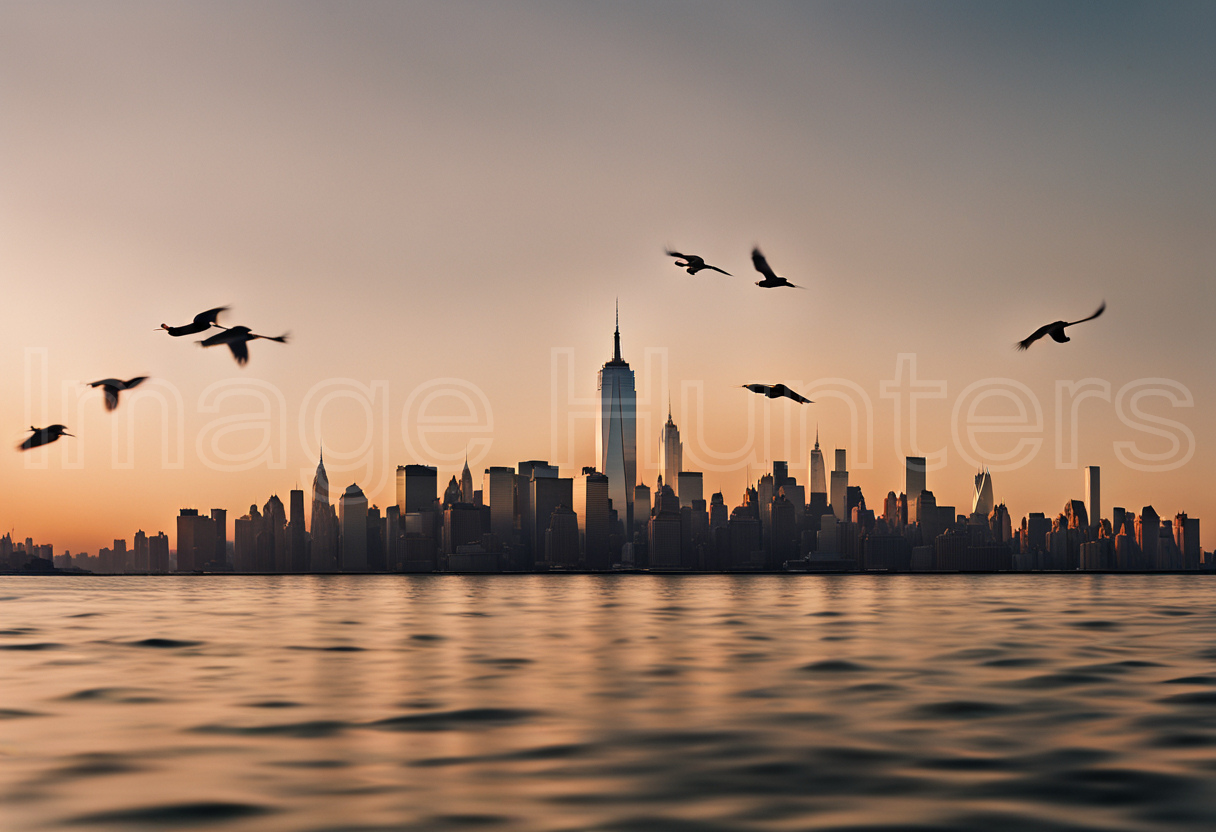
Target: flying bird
{"x": 237, "y": 338}
{"x": 43, "y": 436}
{"x": 111, "y": 386}
{"x": 776, "y": 391}
{"x": 771, "y": 281}
{"x": 692, "y": 263}
{"x": 1056, "y": 330}
{"x": 203, "y": 321}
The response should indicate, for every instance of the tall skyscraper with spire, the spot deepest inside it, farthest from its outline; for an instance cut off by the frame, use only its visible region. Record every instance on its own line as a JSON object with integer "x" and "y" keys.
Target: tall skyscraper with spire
{"x": 671, "y": 452}
{"x": 616, "y": 442}
{"x": 323, "y": 524}
{"x": 982, "y": 502}
{"x": 818, "y": 472}
{"x": 466, "y": 482}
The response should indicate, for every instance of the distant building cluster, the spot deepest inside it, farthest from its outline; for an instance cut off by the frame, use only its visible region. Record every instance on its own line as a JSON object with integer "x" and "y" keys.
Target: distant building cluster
{"x": 530, "y": 518}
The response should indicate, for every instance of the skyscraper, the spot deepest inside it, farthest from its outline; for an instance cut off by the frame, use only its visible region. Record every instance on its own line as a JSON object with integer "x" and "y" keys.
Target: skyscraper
{"x": 498, "y": 492}
{"x": 817, "y": 472}
{"x": 417, "y": 488}
{"x": 616, "y": 430}
{"x": 982, "y": 501}
{"x": 322, "y": 524}
{"x": 296, "y": 533}
{"x": 689, "y": 487}
{"x": 1093, "y": 496}
{"x": 352, "y": 515}
{"x": 914, "y": 477}
{"x": 466, "y": 483}
{"x": 591, "y": 508}
{"x": 840, "y": 486}
{"x": 671, "y": 453}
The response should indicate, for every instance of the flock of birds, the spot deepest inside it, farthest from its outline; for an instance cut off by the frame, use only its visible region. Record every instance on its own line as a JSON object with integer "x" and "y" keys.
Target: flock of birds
{"x": 693, "y": 264}
{"x": 236, "y": 338}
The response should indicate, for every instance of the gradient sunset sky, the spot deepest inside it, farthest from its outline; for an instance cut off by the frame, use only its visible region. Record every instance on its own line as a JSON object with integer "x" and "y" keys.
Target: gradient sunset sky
{"x": 423, "y": 191}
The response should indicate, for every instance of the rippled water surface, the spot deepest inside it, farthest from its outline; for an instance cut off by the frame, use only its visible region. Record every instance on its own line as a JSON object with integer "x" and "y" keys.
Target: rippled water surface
{"x": 617, "y": 702}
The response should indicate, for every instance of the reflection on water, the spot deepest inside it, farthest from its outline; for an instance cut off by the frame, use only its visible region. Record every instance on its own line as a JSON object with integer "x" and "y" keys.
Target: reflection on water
{"x": 616, "y": 702}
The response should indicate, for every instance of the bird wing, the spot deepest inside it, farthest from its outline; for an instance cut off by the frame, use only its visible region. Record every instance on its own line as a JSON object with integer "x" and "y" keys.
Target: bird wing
{"x": 240, "y": 351}
{"x": 1101, "y": 309}
{"x": 111, "y": 396}
{"x": 134, "y": 382}
{"x": 762, "y": 265}
{"x": 282, "y": 339}
{"x": 757, "y": 388}
{"x": 790, "y": 394}
{"x": 716, "y": 269}
{"x": 671, "y": 253}
{"x": 30, "y": 442}
{"x": 210, "y": 316}
{"x": 1034, "y": 336}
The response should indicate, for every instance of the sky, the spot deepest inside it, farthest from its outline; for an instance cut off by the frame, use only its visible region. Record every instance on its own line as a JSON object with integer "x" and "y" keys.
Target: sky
{"x": 442, "y": 202}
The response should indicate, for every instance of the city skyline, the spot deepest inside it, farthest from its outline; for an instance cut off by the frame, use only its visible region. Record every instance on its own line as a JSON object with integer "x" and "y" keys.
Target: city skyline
{"x": 416, "y": 213}
{"x": 530, "y": 518}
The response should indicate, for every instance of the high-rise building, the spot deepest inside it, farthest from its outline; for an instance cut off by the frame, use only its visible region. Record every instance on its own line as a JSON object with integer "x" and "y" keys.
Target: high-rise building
{"x": 417, "y": 488}
{"x": 195, "y": 541}
{"x": 219, "y": 517}
{"x": 158, "y": 553}
{"x": 498, "y": 492}
{"x": 274, "y": 525}
{"x": 322, "y": 524}
{"x": 840, "y": 487}
{"x": 616, "y": 430}
{"x": 781, "y": 474}
{"x": 139, "y": 562}
{"x": 466, "y": 484}
{"x": 525, "y": 472}
{"x": 982, "y": 501}
{"x": 671, "y": 453}
{"x": 1186, "y": 535}
{"x": 817, "y": 473}
{"x": 451, "y": 494}
{"x": 914, "y": 477}
{"x": 591, "y": 509}
{"x": 689, "y": 487}
{"x": 1093, "y": 496}
{"x": 352, "y": 515}
{"x": 297, "y": 536}
{"x": 1148, "y": 529}
{"x": 545, "y": 495}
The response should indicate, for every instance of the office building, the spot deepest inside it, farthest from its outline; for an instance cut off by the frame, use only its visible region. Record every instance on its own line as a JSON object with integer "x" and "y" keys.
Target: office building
{"x": 498, "y": 492}
{"x": 840, "y": 487}
{"x": 689, "y": 487}
{"x": 591, "y": 511}
{"x": 817, "y": 473}
{"x": 1093, "y": 497}
{"x": 671, "y": 454}
{"x": 981, "y": 501}
{"x": 352, "y": 518}
{"x": 616, "y": 430}
{"x": 914, "y": 477}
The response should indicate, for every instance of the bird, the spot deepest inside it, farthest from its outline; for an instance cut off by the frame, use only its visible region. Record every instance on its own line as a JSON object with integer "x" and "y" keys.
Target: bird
{"x": 775, "y": 391}
{"x": 203, "y": 321}
{"x": 692, "y": 263}
{"x": 237, "y": 338}
{"x": 111, "y": 386}
{"x": 43, "y": 436}
{"x": 771, "y": 281}
{"x": 1056, "y": 330}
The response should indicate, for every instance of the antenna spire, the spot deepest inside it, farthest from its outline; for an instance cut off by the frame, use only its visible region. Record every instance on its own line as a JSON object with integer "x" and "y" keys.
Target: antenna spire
{"x": 616, "y": 338}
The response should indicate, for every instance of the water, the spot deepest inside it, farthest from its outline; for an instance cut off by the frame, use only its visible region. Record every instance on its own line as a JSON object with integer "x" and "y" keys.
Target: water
{"x": 625, "y": 702}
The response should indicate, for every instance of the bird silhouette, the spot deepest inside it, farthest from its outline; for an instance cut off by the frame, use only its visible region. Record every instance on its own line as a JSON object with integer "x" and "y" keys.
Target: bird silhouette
{"x": 776, "y": 391}
{"x": 203, "y": 321}
{"x": 237, "y": 338}
{"x": 43, "y": 436}
{"x": 1056, "y": 330}
{"x": 111, "y": 386}
{"x": 771, "y": 281}
{"x": 692, "y": 263}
